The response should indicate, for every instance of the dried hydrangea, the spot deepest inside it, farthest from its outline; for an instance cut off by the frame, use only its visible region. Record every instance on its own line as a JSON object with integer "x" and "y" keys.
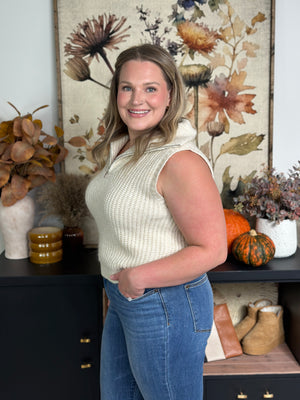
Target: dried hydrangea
{"x": 273, "y": 196}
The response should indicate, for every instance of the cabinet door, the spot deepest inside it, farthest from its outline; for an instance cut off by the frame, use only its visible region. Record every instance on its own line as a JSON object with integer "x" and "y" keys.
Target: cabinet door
{"x": 282, "y": 387}
{"x": 41, "y": 354}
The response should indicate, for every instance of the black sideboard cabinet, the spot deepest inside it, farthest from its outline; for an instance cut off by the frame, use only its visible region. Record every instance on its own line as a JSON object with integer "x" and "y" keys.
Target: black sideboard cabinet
{"x": 51, "y": 324}
{"x": 50, "y": 327}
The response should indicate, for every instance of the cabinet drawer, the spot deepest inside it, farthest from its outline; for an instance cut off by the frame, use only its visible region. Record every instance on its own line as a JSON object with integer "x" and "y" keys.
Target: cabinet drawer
{"x": 50, "y": 342}
{"x": 282, "y": 387}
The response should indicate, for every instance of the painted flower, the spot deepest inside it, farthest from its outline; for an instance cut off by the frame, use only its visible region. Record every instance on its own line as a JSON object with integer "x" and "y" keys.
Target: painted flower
{"x": 215, "y": 128}
{"x": 188, "y": 4}
{"x": 93, "y": 36}
{"x": 77, "y": 69}
{"x": 198, "y": 37}
{"x": 221, "y": 98}
{"x": 195, "y": 74}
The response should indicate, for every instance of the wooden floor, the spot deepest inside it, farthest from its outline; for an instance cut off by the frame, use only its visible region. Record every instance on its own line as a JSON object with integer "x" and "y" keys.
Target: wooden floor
{"x": 278, "y": 361}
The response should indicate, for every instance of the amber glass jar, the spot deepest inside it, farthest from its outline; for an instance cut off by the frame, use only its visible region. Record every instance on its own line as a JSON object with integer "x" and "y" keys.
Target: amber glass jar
{"x": 45, "y": 245}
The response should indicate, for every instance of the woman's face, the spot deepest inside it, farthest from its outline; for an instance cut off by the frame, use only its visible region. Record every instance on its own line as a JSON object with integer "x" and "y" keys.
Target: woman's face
{"x": 143, "y": 96}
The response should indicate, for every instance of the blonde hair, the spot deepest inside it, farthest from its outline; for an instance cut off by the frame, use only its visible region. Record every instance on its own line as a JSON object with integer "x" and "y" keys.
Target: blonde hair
{"x": 166, "y": 129}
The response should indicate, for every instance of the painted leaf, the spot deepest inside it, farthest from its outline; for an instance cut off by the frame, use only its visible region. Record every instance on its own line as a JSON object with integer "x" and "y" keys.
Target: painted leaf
{"x": 21, "y": 151}
{"x": 243, "y": 144}
{"x": 86, "y": 170}
{"x": 250, "y": 49}
{"x": 238, "y": 26}
{"x": 77, "y": 141}
{"x": 89, "y": 134}
{"x": 260, "y": 17}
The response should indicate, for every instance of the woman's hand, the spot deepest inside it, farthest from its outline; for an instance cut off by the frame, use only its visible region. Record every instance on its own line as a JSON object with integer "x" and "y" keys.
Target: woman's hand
{"x": 127, "y": 284}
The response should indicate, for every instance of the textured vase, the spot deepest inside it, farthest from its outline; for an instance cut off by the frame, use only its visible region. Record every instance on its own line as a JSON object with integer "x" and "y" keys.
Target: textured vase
{"x": 284, "y": 235}
{"x": 15, "y": 223}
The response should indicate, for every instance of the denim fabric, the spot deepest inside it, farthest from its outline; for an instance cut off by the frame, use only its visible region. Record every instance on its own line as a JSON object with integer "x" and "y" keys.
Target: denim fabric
{"x": 153, "y": 347}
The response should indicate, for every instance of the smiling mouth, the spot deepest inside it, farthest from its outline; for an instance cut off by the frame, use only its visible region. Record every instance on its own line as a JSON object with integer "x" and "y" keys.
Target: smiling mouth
{"x": 138, "y": 112}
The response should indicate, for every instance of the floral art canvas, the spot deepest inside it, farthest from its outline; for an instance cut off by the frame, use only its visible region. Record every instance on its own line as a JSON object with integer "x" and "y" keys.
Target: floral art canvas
{"x": 223, "y": 49}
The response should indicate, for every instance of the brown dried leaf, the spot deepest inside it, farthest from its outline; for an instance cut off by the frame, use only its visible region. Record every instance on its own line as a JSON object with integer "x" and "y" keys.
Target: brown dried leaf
{"x": 21, "y": 151}
{"x": 3, "y": 147}
{"x": 4, "y": 174}
{"x": 38, "y": 122}
{"x": 7, "y": 196}
{"x": 36, "y": 180}
{"x": 19, "y": 186}
{"x": 41, "y": 171}
{"x": 49, "y": 140}
{"x": 61, "y": 155}
{"x": 6, "y": 128}
{"x": 45, "y": 161}
{"x": 59, "y": 131}
{"x": 17, "y": 127}
{"x": 6, "y": 155}
{"x": 28, "y": 127}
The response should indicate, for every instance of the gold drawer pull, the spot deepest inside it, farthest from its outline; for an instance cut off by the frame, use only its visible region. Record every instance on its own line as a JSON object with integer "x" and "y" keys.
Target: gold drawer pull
{"x": 85, "y": 340}
{"x": 268, "y": 395}
{"x": 86, "y": 365}
{"x": 242, "y": 396}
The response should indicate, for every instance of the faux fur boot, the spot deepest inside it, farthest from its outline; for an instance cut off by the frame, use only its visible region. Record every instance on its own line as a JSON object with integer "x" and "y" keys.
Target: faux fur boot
{"x": 249, "y": 321}
{"x": 268, "y": 332}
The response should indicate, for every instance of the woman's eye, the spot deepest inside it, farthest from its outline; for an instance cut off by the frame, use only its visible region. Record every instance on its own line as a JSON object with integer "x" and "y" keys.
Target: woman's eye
{"x": 125, "y": 88}
{"x": 151, "y": 89}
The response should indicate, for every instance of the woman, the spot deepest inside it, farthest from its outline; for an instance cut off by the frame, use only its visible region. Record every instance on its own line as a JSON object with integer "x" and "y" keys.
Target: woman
{"x": 161, "y": 228}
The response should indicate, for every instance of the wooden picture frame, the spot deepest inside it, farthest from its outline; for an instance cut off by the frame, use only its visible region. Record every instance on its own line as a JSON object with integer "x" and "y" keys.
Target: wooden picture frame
{"x": 225, "y": 50}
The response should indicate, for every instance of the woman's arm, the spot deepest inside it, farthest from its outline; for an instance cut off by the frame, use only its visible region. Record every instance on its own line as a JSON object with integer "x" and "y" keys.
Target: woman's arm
{"x": 192, "y": 197}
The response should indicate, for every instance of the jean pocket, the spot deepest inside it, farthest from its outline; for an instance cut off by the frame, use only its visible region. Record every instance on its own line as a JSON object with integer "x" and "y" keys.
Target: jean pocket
{"x": 200, "y": 299}
{"x": 147, "y": 293}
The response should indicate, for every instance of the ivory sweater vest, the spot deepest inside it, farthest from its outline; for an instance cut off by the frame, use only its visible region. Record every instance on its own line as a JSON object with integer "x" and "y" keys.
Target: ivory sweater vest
{"x": 134, "y": 223}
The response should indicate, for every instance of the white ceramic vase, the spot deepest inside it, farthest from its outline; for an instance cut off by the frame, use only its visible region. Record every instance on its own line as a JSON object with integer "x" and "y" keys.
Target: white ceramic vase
{"x": 15, "y": 223}
{"x": 284, "y": 235}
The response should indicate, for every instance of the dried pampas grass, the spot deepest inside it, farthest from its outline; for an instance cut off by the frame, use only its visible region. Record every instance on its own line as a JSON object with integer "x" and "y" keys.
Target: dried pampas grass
{"x": 65, "y": 198}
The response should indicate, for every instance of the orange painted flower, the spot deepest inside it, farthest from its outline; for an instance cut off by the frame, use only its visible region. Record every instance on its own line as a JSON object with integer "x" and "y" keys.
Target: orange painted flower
{"x": 198, "y": 37}
{"x": 221, "y": 99}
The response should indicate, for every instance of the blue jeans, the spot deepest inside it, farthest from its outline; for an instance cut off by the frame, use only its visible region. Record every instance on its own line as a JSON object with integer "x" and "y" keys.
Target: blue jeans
{"x": 153, "y": 347}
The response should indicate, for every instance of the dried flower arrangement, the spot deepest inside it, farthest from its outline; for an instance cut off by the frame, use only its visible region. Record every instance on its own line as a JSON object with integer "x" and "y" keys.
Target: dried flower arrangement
{"x": 65, "y": 198}
{"x": 27, "y": 156}
{"x": 272, "y": 196}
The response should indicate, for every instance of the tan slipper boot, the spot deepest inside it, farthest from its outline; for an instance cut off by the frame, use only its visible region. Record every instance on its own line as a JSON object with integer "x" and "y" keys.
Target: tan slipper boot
{"x": 267, "y": 334}
{"x": 250, "y": 320}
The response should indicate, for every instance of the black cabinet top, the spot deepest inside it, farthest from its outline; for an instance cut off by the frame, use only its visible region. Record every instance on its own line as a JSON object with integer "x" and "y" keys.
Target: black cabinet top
{"x": 80, "y": 267}
{"x": 277, "y": 270}
{"x": 85, "y": 266}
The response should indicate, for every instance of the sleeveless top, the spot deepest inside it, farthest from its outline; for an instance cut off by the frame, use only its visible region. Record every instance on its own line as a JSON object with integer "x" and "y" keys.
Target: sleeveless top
{"x": 133, "y": 221}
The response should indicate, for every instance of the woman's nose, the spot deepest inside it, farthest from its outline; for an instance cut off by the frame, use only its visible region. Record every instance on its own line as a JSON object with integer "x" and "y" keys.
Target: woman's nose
{"x": 137, "y": 97}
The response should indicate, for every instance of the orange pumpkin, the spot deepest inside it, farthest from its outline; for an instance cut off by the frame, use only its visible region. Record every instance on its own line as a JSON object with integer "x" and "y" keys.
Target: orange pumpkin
{"x": 236, "y": 224}
{"x": 253, "y": 248}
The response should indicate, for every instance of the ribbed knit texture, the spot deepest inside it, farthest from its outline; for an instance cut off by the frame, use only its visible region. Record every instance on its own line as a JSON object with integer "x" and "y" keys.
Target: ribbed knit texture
{"x": 134, "y": 223}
